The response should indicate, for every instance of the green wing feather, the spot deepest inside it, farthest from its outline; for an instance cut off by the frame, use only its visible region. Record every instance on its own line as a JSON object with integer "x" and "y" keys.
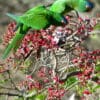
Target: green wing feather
{"x": 34, "y": 21}
{"x": 41, "y": 18}
{"x": 37, "y": 19}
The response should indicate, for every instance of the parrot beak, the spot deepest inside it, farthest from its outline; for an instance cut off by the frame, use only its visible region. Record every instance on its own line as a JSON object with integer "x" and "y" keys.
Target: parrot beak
{"x": 64, "y": 20}
{"x": 89, "y": 6}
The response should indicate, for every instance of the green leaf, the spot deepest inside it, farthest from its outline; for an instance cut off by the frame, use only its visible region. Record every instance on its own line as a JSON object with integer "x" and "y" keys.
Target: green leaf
{"x": 20, "y": 98}
{"x": 96, "y": 87}
{"x": 70, "y": 81}
{"x": 97, "y": 27}
{"x": 40, "y": 97}
{"x": 31, "y": 93}
{"x": 0, "y": 40}
{"x": 97, "y": 67}
{"x": 27, "y": 63}
{"x": 2, "y": 80}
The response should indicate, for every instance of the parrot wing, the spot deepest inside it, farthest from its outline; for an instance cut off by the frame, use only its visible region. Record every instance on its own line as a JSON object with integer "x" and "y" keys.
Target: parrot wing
{"x": 38, "y": 19}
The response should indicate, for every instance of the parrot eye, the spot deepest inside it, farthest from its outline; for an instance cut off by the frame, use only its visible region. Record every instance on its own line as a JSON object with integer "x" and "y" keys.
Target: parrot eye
{"x": 89, "y": 6}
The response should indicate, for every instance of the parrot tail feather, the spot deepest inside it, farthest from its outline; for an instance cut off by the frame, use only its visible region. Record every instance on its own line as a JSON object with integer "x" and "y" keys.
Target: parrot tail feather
{"x": 15, "y": 43}
{"x": 14, "y": 17}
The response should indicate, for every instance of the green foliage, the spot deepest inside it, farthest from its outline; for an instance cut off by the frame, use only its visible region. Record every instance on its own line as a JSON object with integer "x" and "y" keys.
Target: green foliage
{"x": 96, "y": 87}
{"x": 70, "y": 81}
{"x": 38, "y": 97}
{"x": 97, "y": 26}
{"x": 97, "y": 67}
{"x": 2, "y": 80}
{"x": 20, "y": 98}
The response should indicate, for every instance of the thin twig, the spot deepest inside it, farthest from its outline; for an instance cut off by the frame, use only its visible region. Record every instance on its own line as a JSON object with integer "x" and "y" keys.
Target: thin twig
{"x": 11, "y": 94}
{"x": 55, "y": 66}
{"x": 12, "y": 81}
{"x": 69, "y": 75}
{"x": 4, "y": 87}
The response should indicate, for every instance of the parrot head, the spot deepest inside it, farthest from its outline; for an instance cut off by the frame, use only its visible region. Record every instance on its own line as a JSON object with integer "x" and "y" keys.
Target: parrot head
{"x": 89, "y": 6}
{"x": 85, "y": 6}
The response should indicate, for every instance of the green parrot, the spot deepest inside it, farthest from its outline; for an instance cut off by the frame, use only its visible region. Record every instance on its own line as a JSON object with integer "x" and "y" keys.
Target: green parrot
{"x": 65, "y": 6}
{"x": 36, "y": 18}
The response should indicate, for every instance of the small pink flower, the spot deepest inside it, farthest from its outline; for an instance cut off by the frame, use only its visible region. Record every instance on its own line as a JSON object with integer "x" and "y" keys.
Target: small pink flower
{"x": 28, "y": 76}
{"x": 87, "y": 92}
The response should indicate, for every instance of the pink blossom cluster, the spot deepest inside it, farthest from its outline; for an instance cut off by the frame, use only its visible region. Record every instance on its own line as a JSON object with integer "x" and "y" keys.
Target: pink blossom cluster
{"x": 86, "y": 63}
{"x": 54, "y": 93}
